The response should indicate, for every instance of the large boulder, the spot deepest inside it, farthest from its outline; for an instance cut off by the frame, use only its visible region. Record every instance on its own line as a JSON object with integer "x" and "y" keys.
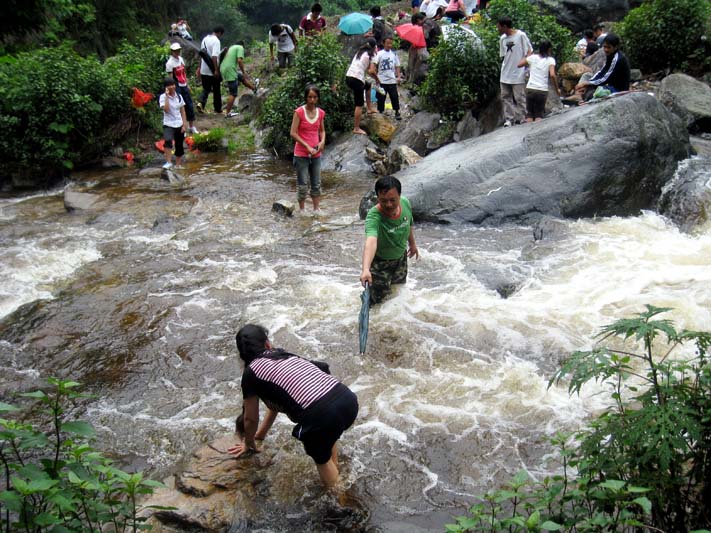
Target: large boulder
{"x": 689, "y": 99}
{"x": 607, "y": 158}
{"x": 687, "y": 198}
{"x": 347, "y": 154}
{"x": 417, "y": 132}
{"x": 581, "y": 14}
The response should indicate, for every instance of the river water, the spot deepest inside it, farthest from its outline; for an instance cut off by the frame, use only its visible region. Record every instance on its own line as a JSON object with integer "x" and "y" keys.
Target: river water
{"x": 140, "y": 299}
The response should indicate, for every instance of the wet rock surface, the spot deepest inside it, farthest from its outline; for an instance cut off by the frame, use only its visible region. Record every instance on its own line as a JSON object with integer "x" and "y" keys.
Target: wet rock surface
{"x": 216, "y": 492}
{"x": 607, "y": 158}
{"x": 687, "y": 199}
{"x": 688, "y": 98}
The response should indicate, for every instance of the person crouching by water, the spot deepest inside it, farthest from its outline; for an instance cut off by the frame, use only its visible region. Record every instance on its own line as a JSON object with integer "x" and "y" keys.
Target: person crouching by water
{"x": 389, "y": 239}
{"x": 320, "y": 405}
{"x": 309, "y": 132}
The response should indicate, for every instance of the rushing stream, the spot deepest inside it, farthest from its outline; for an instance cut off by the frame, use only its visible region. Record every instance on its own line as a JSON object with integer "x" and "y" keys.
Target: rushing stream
{"x": 140, "y": 300}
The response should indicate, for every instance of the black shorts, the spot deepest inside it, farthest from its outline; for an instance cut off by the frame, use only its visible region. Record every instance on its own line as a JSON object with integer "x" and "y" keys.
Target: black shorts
{"x": 323, "y": 423}
{"x": 358, "y": 88}
{"x": 536, "y": 103}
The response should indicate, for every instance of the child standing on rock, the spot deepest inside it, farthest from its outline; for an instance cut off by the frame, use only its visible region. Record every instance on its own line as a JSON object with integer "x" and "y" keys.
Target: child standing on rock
{"x": 542, "y": 67}
{"x": 174, "y": 121}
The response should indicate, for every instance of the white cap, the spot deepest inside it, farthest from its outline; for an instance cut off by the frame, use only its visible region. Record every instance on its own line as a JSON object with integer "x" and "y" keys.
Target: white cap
{"x": 175, "y": 46}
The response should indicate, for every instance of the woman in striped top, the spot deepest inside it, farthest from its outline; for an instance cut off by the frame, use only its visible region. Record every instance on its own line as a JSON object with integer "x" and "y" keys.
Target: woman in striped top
{"x": 320, "y": 405}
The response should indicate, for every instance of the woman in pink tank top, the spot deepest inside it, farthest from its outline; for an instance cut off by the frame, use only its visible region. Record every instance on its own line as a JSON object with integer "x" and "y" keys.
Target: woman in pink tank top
{"x": 309, "y": 132}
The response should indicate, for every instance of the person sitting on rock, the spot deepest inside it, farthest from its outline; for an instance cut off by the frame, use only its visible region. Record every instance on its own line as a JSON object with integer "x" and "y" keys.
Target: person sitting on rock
{"x": 614, "y": 75}
{"x": 321, "y": 406}
{"x": 600, "y": 33}
{"x": 591, "y": 44}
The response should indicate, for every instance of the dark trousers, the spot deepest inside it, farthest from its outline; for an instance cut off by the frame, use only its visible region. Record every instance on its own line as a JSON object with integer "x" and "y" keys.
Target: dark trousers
{"x": 211, "y": 84}
{"x": 189, "y": 108}
{"x": 390, "y": 90}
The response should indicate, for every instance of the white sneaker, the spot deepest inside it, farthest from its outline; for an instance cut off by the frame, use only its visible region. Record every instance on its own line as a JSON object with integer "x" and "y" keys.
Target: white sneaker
{"x": 231, "y": 114}
{"x": 507, "y": 124}
{"x": 168, "y": 164}
{"x": 193, "y": 129}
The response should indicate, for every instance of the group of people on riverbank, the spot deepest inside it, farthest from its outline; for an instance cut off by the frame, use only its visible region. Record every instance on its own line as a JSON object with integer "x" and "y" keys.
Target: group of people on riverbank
{"x": 526, "y": 101}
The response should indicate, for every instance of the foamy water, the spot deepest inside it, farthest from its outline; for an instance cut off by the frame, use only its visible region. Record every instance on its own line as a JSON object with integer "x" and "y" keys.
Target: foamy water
{"x": 453, "y": 388}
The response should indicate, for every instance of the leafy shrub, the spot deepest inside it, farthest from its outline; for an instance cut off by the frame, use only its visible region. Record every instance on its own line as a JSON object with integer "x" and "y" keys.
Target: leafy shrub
{"x": 462, "y": 75}
{"x": 662, "y": 34}
{"x": 55, "y": 481}
{"x": 319, "y": 61}
{"x": 59, "y": 109}
{"x": 642, "y": 463}
{"x": 211, "y": 141}
{"x": 538, "y": 27}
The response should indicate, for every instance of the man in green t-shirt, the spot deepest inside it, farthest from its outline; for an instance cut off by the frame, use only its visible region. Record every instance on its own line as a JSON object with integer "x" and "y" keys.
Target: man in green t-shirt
{"x": 389, "y": 239}
{"x": 234, "y": 57}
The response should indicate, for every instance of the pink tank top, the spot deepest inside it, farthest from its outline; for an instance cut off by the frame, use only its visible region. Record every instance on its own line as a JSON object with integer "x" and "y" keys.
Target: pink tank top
{"x": 308, "y": 131}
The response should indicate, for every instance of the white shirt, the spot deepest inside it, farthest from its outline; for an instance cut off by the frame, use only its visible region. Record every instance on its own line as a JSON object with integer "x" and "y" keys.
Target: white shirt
{"x": 359, "y": 66}
{"x": 387, "y": 60}
{"x": 172, "y": 118}
{"x": 211, "y": 43}
{"x": 539, "y": 72}
{"x": 283, "y": 40}
{"x": 513, "y": 48}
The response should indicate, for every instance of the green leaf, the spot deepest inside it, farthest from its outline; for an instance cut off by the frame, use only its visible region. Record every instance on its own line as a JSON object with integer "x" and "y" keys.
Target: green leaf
{"x": 153, "y": 483}
{"x": 550, "y": 526}
{"x": 79, "y": 427}
{"x": 46, "y": 519}
{"x": 614, "y": 485}
{"x": 11, "y": 499}
{"x": 644, "y": 503}
{"x": 40, "y": 485}
{"x": 533, "y": 520}
{"x": 6, "y": 407}
{"x": 36, "y": 394}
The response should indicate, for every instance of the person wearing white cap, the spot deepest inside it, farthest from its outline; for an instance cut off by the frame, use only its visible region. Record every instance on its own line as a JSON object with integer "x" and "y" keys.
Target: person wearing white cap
{"x": 175, "y": 66}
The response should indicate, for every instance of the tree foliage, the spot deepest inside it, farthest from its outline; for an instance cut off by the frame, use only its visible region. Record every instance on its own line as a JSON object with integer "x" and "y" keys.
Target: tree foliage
{"x": 462, "y": 75}
{"x": 642, "y": 463}
{"x": 662, "y": 34}
{"x": 319, "y": 61}
{"x": 58, "y": 109}
{"x": 55, "y": 481}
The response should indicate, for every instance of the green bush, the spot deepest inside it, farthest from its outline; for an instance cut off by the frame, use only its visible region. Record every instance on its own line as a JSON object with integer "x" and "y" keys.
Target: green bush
{"x": 55, "y": 481}
{"x": 462, "y": 75}
{"x": 643, "y": 464}
{"x": 662, "y": 34}
{"x": 538, "y": 27}
{"x": 211, "y": 141}
{"x": 59, "y": 109}
{"x": 319, "y": 61}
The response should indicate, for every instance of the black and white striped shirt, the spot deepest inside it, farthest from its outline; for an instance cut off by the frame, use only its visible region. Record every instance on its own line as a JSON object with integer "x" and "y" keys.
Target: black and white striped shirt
{"x": 289, "y": 384}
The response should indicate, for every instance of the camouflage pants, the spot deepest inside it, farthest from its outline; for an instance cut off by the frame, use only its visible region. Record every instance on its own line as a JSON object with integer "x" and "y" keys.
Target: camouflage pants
{"x": 386, "y": 272}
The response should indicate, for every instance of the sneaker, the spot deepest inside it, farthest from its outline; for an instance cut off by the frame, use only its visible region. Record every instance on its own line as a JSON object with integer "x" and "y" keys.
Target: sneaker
{"x": 507, "y": 124}
{"x": 198, "y": 106}
{"x": 231, "y": 114}
{"x": 398, "y": 116}
{"x": 193, "y": 130}
{"x": 167, "y": 165}
{"x": 257, "y": 83}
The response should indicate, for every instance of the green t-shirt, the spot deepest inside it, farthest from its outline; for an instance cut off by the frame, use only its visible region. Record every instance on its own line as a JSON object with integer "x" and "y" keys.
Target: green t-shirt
{"x": 228, "y": 67}
{"x": 392, "y": 233}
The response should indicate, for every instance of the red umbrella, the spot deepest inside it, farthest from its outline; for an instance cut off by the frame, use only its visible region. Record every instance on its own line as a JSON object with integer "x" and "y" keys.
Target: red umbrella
{"x": 412, "y": 33}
